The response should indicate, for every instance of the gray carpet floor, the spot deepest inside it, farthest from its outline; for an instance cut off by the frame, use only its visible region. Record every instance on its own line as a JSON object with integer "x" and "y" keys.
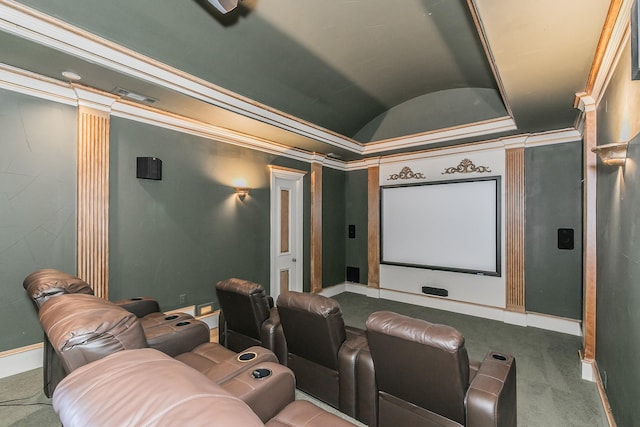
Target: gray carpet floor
{"x": 550, "y": 390}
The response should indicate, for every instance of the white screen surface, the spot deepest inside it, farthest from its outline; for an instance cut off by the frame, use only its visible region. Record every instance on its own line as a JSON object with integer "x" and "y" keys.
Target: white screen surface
{"x": 450, "y": 225}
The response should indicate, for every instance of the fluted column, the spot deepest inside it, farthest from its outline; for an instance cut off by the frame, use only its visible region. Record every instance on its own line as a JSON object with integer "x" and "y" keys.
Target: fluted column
{"x": 514, "y": 203}
{"x": 93, "y": 190}
{"x": 373, "y": 279}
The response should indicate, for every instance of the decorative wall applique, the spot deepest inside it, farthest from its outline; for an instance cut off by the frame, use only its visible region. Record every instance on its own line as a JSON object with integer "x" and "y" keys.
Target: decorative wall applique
{"x": 406, "y": 173}
{"x": 466, "y": 166}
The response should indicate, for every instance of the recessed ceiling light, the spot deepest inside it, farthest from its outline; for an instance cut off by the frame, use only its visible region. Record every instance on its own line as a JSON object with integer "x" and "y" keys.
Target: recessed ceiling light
{"x": 71, "y": 76}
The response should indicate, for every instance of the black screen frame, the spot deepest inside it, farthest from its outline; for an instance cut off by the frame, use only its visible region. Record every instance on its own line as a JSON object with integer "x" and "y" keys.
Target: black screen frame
{"x": 497, "y": 272}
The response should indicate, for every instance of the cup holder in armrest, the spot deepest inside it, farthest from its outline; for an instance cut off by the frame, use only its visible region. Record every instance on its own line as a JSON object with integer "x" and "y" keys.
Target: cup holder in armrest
{"x": 173, "y": 316}
{"x": 260, "y": 373}
{"x": 136, "y": 299}
{"x": 246, "y": 356}
{"x": 182, "y": 323}
{"x": 498, "y": 357}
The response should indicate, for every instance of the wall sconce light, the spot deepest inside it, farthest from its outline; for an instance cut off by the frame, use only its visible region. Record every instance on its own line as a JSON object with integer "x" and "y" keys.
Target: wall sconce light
{"x": 612, "y": 154}
{"x": 242, "y": 192}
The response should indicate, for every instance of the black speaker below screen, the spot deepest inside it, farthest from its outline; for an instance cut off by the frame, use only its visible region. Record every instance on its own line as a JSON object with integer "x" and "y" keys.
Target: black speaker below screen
{"x": 149, "y": 168}
{"x": 565, "y": 238}
{"x": 435, "y": 291}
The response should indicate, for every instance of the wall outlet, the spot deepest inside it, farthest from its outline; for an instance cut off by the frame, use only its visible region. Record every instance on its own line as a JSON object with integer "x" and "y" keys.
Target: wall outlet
{"x": 182, "y": 299}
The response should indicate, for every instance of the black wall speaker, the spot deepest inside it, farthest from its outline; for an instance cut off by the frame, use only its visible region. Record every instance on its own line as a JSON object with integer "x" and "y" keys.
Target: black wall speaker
{"x": 352, "y": 231}
{"x": 149, "y": 168}
{"x": 565, "y": 238}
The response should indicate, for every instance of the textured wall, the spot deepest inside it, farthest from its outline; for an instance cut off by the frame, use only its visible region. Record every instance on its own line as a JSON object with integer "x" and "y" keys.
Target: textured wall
{"x": 553, "y": 191}
{"x": 333, "y": 227}
{"x": 618, "y": 234}
{"x": 37, "y": 204}
{"x": 356, "y": 250}
{"x": 184, "y": 233}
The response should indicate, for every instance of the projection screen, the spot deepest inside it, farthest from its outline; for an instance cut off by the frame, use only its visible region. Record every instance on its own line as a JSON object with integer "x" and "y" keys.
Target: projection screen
{"x": 444, "y": 225}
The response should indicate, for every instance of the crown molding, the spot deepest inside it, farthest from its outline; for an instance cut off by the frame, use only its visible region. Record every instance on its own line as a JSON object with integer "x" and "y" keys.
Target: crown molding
{"x": 38, "y": 27}
{"x": 487, "y": 127}
{"x": 28, "y": 83}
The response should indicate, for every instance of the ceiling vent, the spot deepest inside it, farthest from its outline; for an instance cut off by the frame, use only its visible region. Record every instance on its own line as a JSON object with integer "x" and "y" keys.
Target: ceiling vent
{"x": 127, "y": 94}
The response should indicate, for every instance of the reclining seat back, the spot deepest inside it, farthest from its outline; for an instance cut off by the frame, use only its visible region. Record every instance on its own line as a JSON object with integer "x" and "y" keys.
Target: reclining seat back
{"x": 245, "y": 307}
{"x": 314, "y": 330}
{"x": 248, "y": 318}
{"x": 42, "y": 285}
{"x": 83, "y": 328}
{"x": 419, "y": 363}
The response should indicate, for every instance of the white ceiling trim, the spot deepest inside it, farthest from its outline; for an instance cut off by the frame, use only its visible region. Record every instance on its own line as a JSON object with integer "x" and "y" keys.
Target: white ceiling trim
{"x": 28, "y": 83}
{"x": 32, "y": 84}
{"x": 619, "y": 37}
{"x": 523, "y": 140}
{"x": 32, "y": 25}
{"x": 40, "y": 28}
{"x": 464, "y": 131}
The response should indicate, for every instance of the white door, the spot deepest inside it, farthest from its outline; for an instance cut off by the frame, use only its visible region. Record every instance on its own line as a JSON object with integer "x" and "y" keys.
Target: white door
{"x": 286, "y": 230}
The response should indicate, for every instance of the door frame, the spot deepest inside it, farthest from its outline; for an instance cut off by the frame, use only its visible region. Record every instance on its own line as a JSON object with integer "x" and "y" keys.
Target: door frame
{"x": 296, "y": 178}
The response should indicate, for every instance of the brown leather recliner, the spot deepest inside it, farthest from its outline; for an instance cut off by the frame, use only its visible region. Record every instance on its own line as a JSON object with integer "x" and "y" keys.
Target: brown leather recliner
{"x": 322, "y": 352}
{"x": 423, "y": 377}
{"x": 248, "y": 318}
{"x": 173, "y": 334}
{"x": 84, "y": 329}
{"x": 146, "y": 387}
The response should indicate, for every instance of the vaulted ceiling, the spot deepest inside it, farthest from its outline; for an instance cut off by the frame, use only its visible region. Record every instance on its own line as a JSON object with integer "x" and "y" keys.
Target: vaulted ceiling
{"x": 347, "y": 77}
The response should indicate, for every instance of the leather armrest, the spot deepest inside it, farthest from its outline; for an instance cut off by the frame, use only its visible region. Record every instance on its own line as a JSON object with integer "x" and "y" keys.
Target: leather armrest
{"x": 491, "y": 398}
{"x": 347, "y": 360}
{"x": 141, "y": 306}
{"x": 474, "y": 366}
{"x": 272, "y": 336}
{"x": 367, "y": 405}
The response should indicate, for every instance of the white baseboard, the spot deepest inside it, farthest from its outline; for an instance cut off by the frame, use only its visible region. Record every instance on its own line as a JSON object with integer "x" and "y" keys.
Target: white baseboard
{"x": 20, "y": 360}
{"x": 588, "y": 370}
{"x": 536, "y": 320}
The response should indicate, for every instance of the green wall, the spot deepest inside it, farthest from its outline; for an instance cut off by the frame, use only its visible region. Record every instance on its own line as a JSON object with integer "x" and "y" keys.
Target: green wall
{"x": 356, "y": 205}
{"x": 333, "y": 227}
{"x": 553, "y": 189}
{"x": 37, "y": 204}
{"x": 184, "y": 233}
{"x": 618, "y": 248}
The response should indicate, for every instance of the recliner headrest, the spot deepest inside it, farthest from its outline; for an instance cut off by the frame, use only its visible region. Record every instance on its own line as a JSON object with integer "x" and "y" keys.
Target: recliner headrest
{"x": 244, "y": 287}
{"x": 313, "y": 303}
{"x": 44, "y": 284}
{"x": 416, "y": 330}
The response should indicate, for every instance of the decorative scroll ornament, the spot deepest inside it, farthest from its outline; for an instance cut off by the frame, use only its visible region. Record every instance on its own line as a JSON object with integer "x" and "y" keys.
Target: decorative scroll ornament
{"x": 466, "y": 166}
{"x": 406, "y": 173}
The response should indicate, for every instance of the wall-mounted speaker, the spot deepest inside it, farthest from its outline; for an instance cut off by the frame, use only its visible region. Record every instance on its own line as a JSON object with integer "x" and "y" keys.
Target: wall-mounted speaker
{"x": 352, "y": 231}
{"x": 565, "y": 238}
{"x": 148, "y": 168}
